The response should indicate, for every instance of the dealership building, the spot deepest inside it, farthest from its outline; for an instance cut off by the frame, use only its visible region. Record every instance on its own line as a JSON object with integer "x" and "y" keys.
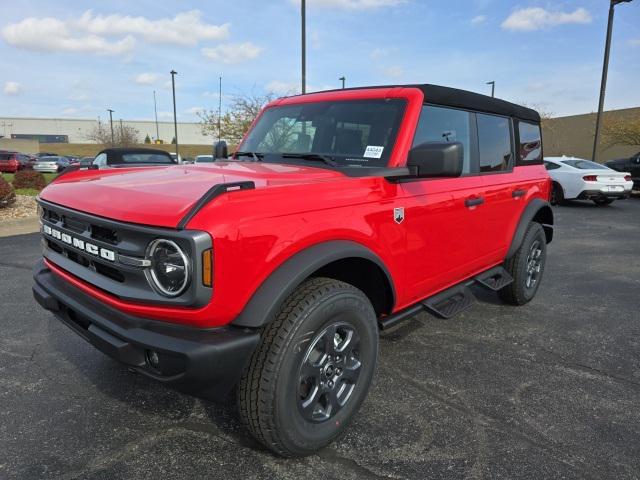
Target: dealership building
{"x": 77, "y": 130}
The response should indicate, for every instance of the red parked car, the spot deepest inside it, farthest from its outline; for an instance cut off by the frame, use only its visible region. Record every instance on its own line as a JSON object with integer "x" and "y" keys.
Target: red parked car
{"x": 9, "y": 162}
{"x": 342, "y": 213}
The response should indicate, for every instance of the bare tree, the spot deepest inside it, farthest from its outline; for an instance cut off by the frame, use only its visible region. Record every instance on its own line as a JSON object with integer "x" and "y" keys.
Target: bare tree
{"x": 618, "y": 130}
{"x": 123, "y": 135}
{"x": 238, "y": 118}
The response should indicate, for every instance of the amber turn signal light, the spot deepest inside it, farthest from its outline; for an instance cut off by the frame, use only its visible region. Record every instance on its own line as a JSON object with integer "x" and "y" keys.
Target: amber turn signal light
{"x": 207, "y": 268}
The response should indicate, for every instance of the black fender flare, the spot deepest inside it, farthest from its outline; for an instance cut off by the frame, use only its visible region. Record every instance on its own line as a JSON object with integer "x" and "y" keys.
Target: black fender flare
{"x": 538, "y": 210}
{"x": 263, "y": 306}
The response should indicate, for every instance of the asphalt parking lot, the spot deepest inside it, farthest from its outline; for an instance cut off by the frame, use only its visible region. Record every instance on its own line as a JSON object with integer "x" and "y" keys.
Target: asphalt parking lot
{"x": 549, "y": 390}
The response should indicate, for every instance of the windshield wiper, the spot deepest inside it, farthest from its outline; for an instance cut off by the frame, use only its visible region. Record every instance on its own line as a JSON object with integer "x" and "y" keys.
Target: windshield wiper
{"x": 312, "y": 156}
{"x": 257, "y": 157}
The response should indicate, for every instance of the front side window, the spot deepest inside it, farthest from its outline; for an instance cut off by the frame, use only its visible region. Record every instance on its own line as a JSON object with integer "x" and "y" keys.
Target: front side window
{"x": 350, "y": 133}
{"x": 551, "y": 166}
{"x": 530, "y": 142}
{"x": 144, "y": 157}
{"x": 585, "y": 165}
{"x": 101, "y": 160}
{"x": 441, "y": 124}
{"x": 494, "y": 142}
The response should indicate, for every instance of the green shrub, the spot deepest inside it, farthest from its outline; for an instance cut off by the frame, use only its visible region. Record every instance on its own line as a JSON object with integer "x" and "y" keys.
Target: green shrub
{"x": 29, "y": 179}
{"x": 7, "y": 195}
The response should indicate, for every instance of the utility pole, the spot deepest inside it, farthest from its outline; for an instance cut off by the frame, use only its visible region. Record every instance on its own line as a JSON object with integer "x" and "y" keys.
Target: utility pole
{"x": 175, "y": 117}
{"x": 111, "y": 122}
{"x": 155, "y": 109}
{"x": 605, "y": 70}
{"x": 343, "y": 80}
{"x": 493, "y": 87}
{"x": 219, "y": 109}
{"x": 303, "y": 14}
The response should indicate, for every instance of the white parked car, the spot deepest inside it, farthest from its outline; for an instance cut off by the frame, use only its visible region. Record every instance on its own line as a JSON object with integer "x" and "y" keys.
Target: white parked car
{"x": 576, "y": 178}
{"x": 204, "y": 159}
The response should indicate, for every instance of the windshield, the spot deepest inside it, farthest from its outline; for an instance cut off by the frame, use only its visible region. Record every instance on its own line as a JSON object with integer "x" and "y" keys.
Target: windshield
{"x": 584, "y": 164}
{"x": 360, "y": 132}
{"x": 146, "y": 157}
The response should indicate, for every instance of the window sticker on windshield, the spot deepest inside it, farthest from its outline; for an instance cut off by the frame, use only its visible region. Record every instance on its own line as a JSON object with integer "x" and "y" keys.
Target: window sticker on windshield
{"x": 373, "y": 151}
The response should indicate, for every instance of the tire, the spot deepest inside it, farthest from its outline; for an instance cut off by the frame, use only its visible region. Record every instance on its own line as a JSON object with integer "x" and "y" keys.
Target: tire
{"x": 292, "y": 360}
{"x": 602, "y": 202}
{"x": 557, "y": 194}
{"x": 526, "y": 267}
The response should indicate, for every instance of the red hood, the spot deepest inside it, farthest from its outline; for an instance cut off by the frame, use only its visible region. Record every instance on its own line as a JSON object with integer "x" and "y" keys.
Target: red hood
{"x": 161, "y": 196}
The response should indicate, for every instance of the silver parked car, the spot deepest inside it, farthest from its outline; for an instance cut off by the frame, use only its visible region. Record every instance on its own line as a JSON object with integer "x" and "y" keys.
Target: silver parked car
{"x": 51, "y": 164}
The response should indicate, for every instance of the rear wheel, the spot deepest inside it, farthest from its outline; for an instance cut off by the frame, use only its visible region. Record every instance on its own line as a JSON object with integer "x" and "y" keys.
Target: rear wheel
{"x": 312, "y": 369}
{"x": 557, "y": 194}
{"x": 526, "y": 267}
{"x": 601, "y": 202}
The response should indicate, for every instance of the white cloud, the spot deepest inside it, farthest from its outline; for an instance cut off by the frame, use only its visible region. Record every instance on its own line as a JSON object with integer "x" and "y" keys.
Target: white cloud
{"x": 90, "y": 33}
{"x": 478, "y": 19}
{"x": 378, "y": 53}
{"x": 351, "y": 4}
{"x": 232, "y": 52}
{"x": 165, "y": 114}
{"x": 283, "y": 88}
{"x": 394, "y": 71}
{"x": 536, "y": 18}
{"x": 146, "y": 78}
{"x": 634, "y": 42}
{"x": 186, "y": 28}
{"x": 195, "y": 110}
{"x": 12, "y": 88}
{"x": 69, "y": 111}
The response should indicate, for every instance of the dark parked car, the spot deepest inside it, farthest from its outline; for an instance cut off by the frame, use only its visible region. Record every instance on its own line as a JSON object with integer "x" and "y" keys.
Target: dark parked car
{"x": 631, "y": 165}
{"x": 125, "y": 157}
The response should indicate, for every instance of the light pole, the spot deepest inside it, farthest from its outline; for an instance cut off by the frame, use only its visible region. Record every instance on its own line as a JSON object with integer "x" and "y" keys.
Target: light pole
{"x": 605, "y": 70}
{"x": 111, "y": 123}
{"x": 175, "y": 117}
{"x": 155, "y": 109}
{"x": 343, "y": 80}
{"x": 493, "y": 87}
{"x": 219, "y": 109}
{"x": 303, "y": 15}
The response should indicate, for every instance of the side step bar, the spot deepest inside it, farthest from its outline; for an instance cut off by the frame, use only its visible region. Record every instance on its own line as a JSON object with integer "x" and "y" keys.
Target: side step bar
{"x": 453, "y": 300}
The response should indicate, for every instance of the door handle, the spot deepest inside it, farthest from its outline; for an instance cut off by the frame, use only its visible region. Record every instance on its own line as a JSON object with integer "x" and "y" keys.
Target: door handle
{"x": 518, "y": 193}
{"x": 473, "y": 201}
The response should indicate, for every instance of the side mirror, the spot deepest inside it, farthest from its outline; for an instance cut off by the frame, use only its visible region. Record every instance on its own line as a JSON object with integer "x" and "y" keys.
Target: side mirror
{"x": 436, "y": 159}
{"x": 220, "y": 150}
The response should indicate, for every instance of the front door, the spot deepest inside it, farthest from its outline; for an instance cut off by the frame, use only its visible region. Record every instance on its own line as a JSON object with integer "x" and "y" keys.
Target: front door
{"x": 444, "y": 218}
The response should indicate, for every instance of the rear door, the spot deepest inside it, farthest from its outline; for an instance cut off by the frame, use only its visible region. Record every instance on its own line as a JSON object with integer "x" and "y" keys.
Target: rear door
{"x": 443, "y": 217}
{"x": 510, "y": 179}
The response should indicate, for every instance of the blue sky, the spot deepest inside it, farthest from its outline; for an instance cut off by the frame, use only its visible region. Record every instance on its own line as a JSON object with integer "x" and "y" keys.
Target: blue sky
{"x": 78, "y": 58}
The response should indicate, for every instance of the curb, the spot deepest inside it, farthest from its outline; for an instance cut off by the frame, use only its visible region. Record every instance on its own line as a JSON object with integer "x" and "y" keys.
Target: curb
{"x": 19, "y": 227}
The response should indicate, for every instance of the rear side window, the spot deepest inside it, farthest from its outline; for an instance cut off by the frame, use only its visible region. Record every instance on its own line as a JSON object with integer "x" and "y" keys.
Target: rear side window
{"x": 530, "y": 150}
{"x": 494, "y": 142}
{"x": 441, "y": 124}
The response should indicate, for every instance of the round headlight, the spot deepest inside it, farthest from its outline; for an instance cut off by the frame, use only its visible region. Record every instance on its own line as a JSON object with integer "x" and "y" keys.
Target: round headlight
{"x": 169, "y": 268}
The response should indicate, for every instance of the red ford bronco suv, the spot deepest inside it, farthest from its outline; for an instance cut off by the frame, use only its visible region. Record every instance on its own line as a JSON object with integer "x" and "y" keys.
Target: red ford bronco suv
{"x": 341, "y": 214}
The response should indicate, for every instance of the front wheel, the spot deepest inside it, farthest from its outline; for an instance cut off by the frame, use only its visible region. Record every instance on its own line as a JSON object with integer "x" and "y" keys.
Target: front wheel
{"x": 312, "y": 369}
{"x": 601, "y": 202}
{"x": 526, "y": 267}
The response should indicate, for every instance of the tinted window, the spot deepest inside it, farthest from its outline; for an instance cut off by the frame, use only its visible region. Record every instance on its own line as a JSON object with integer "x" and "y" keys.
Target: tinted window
{"x": 494, "y": 141}
{"x": 584, "y": 165}
{"x": 350, "y": 132}
{"x": 440, "y": 124}
{"x": 530, "y": 142}
{"x": 145, "y": 157}
{"x": 551, "y": 166}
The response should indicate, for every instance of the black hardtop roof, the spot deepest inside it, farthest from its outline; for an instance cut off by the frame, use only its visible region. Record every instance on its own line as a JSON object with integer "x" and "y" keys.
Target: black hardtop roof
{"x": 455, "y": 97}
{"x": 121, "y": 150}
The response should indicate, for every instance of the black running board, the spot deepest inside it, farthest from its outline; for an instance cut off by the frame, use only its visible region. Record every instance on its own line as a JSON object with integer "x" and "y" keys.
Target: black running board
{"x": 453, "y": 300}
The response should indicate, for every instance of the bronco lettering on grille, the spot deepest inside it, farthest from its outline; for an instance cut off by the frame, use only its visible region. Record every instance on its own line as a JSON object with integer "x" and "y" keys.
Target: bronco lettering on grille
{"x": 80, "y": 244}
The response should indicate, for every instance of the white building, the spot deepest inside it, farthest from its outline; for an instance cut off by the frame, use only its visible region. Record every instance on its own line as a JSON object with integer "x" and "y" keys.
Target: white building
{"x": 76, "y": 130}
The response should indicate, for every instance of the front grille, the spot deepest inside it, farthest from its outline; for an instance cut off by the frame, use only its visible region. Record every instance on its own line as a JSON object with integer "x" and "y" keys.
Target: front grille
{"x": 126, "y": 279}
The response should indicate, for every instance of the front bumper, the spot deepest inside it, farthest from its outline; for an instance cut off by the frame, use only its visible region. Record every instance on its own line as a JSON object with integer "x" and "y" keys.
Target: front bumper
{"x": 591, "y": 194}
{"x": 203, "y": 362}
